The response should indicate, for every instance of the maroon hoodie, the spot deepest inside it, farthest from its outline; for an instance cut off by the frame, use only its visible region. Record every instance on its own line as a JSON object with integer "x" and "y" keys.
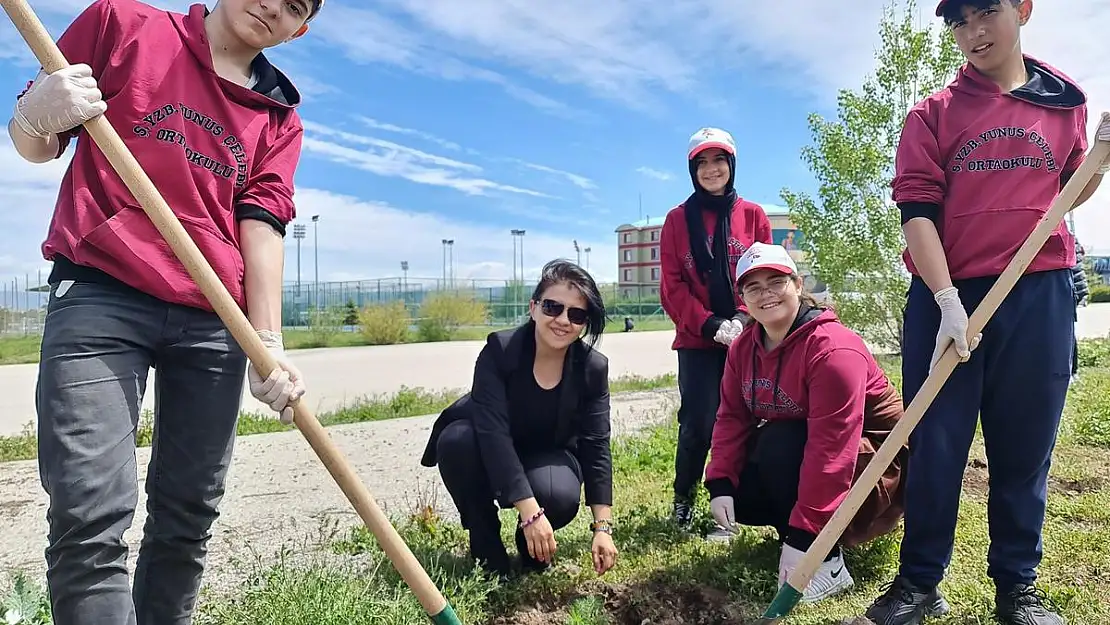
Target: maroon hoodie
{"x": 214, "y": 149}
{"x": 824, "y": 373}
{"x": 989, "y": 164}
{"x": 682, "y": 292}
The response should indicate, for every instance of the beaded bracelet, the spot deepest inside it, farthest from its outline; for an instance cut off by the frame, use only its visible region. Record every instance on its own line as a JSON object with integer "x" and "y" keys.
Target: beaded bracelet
{"x": 535, "y": 517}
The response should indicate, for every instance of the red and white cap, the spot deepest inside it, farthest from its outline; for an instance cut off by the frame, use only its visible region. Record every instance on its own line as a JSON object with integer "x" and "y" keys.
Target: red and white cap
{"x": 710, "y": 138}
{"x": 764, "y": 256}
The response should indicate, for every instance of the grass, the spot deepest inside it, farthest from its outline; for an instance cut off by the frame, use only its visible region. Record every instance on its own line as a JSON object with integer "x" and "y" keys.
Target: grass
{"x": 407, "y": 402}
{"x": 17, "y": 350}
{"x": 663, "y": 574}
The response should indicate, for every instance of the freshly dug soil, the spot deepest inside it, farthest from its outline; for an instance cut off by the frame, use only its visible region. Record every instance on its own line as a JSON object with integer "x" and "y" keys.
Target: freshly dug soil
{"x": 648, "y": 603}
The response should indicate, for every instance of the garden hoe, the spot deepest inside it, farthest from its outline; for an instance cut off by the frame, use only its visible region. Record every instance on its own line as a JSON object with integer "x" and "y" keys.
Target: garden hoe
{"x": 791, "y": 592}
{"x": 124, "y": 163}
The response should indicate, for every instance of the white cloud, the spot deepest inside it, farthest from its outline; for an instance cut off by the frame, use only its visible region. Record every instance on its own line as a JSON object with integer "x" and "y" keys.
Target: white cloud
{"x": 655, "y": 173}
{"x": 386, "y": 158}
{"x": 348, "y": 224}
{"x": 427, "y": 136}
{"x": 629, "y": 50}
{"x": 359, "y": 239}
{"x": 379, "y": 39}
{"x": 577, "y": 180}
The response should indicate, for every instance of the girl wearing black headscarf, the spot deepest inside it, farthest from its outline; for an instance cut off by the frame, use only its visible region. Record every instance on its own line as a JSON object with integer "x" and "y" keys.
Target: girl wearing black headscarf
{"x": 701, "y": 241}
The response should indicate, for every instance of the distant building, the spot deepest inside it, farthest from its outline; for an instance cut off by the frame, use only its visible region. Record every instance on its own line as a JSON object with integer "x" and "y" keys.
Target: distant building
{"x": 638, "y": 268}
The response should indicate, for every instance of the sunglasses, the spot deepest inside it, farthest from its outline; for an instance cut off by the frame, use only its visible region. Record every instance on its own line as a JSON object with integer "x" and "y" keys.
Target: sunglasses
{"x": 551, "y": 308}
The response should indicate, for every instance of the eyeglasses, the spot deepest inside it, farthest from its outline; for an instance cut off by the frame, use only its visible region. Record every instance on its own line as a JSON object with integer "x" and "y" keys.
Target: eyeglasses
{"x": 774, "y": 287}
{"x": 551, "y": 308}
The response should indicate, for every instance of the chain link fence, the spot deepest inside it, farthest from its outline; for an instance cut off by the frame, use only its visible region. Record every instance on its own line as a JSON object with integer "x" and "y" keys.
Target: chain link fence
{"x": 23, "y": 300}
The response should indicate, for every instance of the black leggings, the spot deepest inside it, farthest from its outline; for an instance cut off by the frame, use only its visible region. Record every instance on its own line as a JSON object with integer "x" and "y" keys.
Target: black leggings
{"x": 768, "y": 487}
{"x": 555, "y": 478}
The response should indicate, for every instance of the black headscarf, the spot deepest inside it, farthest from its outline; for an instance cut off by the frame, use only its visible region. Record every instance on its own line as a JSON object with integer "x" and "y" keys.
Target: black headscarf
{"x": 711, "y": 262}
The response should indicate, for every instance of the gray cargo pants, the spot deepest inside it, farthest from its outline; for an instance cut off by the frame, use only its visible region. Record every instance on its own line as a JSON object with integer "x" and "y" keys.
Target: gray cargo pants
{"x": 98, "y": 345}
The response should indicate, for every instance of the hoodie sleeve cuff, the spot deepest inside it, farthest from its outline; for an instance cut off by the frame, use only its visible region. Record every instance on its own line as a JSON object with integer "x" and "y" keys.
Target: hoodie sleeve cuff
{"x": 710, "y": 327}
{"x": 799, "y": 539}
{"x": 720, "y": 487}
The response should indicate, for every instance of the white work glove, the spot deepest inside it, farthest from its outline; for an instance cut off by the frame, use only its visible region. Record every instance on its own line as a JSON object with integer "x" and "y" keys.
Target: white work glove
{"x": 1102, "y": 133}
{"x": 724, "y": 512}
{"x": 284, "y": 384}
{"x": 729, "y": 330}
{"x": 55, "y": 103}
{"x": 789, "y": 559}
{"x": 953, "y": 326}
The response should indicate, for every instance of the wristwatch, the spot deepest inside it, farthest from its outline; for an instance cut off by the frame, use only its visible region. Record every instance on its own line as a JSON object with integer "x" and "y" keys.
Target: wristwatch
{"x": 604, "y": 525}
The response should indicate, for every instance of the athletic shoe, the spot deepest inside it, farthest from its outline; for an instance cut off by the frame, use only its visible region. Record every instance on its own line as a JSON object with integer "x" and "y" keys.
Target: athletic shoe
{"x": 720, "y": 535}
{"x": 831, "y": 578}
{"x": 1024, "y": 604}
{"x": 683, "y": 513}
{"x": 902, "y": 603}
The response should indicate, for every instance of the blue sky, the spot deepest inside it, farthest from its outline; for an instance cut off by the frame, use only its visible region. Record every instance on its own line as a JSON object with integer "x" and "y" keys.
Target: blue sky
{"x": 432, "y": 119}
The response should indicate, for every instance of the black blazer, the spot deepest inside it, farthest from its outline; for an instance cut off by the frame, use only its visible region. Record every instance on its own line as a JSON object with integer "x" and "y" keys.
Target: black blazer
{"x": 583, "y": 422}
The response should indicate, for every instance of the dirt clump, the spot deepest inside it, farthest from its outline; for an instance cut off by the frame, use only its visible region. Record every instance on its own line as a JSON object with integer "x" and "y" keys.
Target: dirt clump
{"x": 644, "y": 603}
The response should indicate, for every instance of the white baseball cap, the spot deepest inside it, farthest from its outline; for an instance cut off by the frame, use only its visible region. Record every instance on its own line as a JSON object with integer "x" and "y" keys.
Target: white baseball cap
{"x": 710, "y": 138}
{"x": 764, "y": 256}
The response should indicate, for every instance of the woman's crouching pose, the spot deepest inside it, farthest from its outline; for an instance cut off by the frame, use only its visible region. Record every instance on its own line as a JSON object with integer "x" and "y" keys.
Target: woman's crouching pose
{"x": 804, "y": 407}
{"x": 533, "y": 431}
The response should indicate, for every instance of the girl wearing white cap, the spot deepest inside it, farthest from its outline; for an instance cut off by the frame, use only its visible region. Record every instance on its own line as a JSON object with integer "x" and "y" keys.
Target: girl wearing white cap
{"x": 804, "y": 407}
{"x": 701, "y": 241}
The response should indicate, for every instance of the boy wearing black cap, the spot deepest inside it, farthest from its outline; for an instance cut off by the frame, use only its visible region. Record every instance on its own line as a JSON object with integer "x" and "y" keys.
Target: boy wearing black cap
{"x": 974, "y": 175}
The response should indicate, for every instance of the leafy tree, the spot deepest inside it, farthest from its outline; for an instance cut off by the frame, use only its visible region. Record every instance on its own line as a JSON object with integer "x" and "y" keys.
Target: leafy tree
{"x": 853, "y": 236}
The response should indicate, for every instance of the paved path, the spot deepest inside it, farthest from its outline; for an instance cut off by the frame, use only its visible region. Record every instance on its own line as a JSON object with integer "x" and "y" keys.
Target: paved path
{"x": 338, "y": 376}
{"x": 341, "y": 375}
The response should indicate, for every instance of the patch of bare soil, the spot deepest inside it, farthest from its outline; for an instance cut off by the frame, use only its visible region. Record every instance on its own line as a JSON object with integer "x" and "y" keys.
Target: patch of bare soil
{"x": 647, "y": 603}
{"x": 977, "y": 481}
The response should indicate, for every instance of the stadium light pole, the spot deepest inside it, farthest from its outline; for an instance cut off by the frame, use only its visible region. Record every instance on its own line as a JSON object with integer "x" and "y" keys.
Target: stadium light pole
{"x": 577, "y": 253}
{"x": 298, "y": 235}
{"x": 587, "y": 250}
{"x": 405, "y": 280}
{"x": 316, "y": 255}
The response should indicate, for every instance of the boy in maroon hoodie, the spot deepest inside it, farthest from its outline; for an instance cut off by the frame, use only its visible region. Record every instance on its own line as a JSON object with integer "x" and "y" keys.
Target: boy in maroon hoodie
{"x": 701, "y": 241}
{"x": 979, "y": 164}
{"x": 214, "y": 125}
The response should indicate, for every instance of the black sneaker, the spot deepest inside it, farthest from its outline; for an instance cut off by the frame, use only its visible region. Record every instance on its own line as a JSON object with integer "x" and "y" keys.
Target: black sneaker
{"x": 1024, "y": 604}
{"x": 902, "y": 603}
{"x": 683, "y": 513}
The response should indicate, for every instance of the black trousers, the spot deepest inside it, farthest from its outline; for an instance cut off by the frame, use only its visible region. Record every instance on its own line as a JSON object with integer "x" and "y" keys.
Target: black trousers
{"x": 699, "y": 387}
{"x": 768, "y": 487}
{"x": 555, "y": 477}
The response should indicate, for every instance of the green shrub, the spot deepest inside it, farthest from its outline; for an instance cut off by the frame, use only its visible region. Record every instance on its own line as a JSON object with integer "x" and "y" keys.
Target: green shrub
{"x": 1099, "y": 293}
{"x": 385, "y": 324}
{"x": 441, "y": 316}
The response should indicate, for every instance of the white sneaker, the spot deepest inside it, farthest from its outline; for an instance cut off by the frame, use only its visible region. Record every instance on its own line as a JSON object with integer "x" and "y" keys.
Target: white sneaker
{"x": 831, "y": 578}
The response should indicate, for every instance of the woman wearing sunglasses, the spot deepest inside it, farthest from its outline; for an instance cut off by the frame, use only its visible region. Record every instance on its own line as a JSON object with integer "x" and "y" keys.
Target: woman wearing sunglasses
{"x": 804, "y": 408}
{"x": 533, "y": 431}
{"x": 700, "y": 243}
